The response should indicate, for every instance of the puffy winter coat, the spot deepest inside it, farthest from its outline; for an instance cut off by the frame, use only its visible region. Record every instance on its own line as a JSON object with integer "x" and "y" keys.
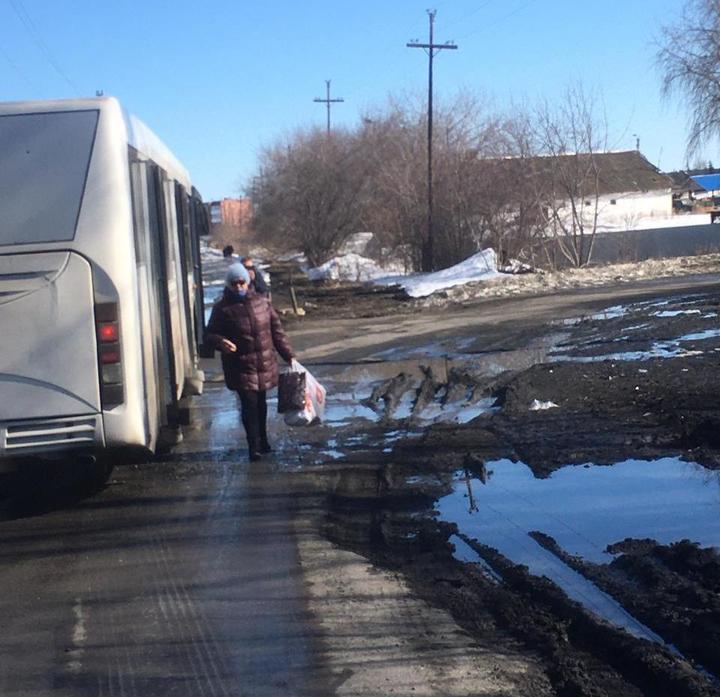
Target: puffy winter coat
{"x": 253, "y": 325}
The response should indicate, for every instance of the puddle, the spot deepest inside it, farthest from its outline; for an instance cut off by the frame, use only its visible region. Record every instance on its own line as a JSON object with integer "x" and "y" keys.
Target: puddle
{"x": 675, "y": 313}
{"x": 658, "y": 350}
{"x": 439, "y": 349}
{"x": 610, "y": 313}
{"x": 585, "y": 508}
{"x": 339, "y": 413}
{"x": 441, "y": 357}
{"x": 345, "y": 406}
{"x": 464, "y": 552}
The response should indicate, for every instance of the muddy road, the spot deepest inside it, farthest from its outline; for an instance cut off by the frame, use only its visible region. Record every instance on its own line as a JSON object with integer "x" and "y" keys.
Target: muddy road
{"x": 508, "y": 497}
{"x": 546, "y": 468}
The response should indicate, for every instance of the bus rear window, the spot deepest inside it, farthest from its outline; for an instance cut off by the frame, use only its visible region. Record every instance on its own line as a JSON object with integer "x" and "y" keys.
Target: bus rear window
{"x": 44, "y": 161}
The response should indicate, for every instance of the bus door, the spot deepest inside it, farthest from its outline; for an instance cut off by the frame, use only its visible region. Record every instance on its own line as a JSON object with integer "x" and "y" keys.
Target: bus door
{"x": 175, "y": 284}
{"x": 150, "y": 247}
{"x": 182, "y": 207}
{"x": 200, "y": 226}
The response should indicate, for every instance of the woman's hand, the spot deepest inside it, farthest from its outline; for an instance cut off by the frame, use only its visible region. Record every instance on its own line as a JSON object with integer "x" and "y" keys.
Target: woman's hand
{"x": 227, "y": 346}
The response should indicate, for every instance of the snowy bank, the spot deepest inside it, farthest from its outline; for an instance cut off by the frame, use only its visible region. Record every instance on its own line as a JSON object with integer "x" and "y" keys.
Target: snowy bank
{"x": 479, "y": 267}
{"x": 351, "y": 267}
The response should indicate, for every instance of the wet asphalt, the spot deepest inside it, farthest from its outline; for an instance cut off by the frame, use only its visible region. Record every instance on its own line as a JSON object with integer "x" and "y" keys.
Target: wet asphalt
{"x": 179, "y": 578}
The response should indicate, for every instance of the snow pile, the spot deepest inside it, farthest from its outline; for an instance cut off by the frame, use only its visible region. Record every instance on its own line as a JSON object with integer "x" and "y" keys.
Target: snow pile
{"x": 479, "y": 267}
{"x": 586, "y": 277}
{"x": 357, "y": 243}
{"x": 538, "y": 405}
{"x": 351, "y": 267}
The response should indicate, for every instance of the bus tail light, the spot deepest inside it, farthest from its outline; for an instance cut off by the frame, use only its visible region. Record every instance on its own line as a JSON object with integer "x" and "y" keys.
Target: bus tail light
{"x": 109, "y": 354}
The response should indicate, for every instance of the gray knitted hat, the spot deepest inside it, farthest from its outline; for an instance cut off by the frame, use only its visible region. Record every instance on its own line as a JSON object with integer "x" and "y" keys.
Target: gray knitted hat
{"x": 236, "y": 272}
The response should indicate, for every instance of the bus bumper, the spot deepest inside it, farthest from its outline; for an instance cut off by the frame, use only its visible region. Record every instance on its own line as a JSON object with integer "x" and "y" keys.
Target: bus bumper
{"x": 50, "y": 436}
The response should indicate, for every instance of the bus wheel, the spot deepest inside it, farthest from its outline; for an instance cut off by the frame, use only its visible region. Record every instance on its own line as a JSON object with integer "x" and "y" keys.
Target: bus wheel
{"x": 94, "y": 473}
{"x": 168, "y": 438}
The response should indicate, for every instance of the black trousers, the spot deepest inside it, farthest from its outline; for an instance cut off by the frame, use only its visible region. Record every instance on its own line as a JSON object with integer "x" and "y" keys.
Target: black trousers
{"x": 253, "y": 411}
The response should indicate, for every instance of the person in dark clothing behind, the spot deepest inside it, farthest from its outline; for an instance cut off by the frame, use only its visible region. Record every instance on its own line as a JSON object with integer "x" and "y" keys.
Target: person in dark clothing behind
{"x": 257, "y": 282}
{"x": 245, "y": 327}
{"x": 228, "y": 251}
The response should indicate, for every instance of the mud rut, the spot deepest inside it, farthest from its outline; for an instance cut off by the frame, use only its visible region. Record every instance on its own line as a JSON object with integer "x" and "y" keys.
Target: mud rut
{"x": 639, "y": 381}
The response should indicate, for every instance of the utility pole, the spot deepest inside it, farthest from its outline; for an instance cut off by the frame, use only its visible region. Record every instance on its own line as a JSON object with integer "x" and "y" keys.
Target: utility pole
{"x": 431, "y": 49}
{"x": 327, "y": 101}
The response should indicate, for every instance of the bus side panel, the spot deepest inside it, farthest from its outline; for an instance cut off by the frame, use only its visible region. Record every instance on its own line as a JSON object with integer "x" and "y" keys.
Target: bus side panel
{"x": 104, "y": 237}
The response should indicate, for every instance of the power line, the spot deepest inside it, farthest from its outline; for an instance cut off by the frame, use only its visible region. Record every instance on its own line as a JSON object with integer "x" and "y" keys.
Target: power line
{"x": 16, "y": 68}
{"x": 431, "y": 49}
{"x": 463, "y": 18}
{"x": 327, "y": 101}
{"x": 27, "y": 22}
{"x": 499, "y": 20}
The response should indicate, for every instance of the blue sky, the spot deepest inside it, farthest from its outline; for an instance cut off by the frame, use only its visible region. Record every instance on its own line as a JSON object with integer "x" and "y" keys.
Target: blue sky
{"x": 219, "y": 80}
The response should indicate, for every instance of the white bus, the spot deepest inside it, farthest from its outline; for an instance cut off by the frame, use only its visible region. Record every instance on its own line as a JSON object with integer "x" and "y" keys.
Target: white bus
{"x": 100, "y": 281}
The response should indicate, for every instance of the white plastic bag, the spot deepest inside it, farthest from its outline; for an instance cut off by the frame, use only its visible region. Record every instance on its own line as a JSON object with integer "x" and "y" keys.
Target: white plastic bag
{"x": 314, "y": 408}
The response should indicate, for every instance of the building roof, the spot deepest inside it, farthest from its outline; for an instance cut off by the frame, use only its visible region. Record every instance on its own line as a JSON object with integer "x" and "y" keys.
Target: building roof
{"x": 617, "y": 172}
{"x": 685, "y": 180}
{"x": 626, "y": 171}
{"x": 709, "y": 182}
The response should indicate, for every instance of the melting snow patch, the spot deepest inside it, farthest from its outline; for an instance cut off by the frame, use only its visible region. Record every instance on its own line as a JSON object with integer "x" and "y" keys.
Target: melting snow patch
{"x": 334, "y": 454}
{"x": 479, "y": 267}
{"x": 701, "y": 336}
{"x": 471, "y": 411}
{"x": 675, "y": 313}
{"x": 351, "y": 267}
{"x": 537, "y": 405}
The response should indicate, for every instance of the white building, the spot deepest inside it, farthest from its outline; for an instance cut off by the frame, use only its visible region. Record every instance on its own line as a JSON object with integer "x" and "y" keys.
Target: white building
{"x": 624, "y": 190}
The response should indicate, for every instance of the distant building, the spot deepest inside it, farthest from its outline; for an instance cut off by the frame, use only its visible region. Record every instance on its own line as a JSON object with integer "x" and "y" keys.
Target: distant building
{"x": 231, "y": 211}
{"x": 230, "y": 220}
{"x": 697, "y": 191}
{"x": 685, "y": 189}
{"x": 631, "y": 190}
{"x": 611, "y": 190}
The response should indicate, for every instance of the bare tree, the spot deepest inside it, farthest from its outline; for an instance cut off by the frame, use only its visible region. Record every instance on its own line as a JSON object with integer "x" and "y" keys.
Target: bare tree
{"x": 491, "y": 188}
{"x": 395, "y": 140}
{"x": 396, "y": 207}
{"x": 567, "y": 176}
{"x": 511, "y": 200}
{"x": 689, "y": 58}
{"x": 309, "y": 193}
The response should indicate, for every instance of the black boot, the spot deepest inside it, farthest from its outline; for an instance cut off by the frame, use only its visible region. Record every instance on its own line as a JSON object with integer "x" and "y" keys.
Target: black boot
{"x": 265, "y": 447}
{"x": 254, "y": 450}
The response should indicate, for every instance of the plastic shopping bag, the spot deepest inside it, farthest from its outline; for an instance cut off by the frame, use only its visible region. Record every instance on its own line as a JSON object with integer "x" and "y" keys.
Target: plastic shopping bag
{"x": 291, "y": 391}
{"x": 313, "y": 407}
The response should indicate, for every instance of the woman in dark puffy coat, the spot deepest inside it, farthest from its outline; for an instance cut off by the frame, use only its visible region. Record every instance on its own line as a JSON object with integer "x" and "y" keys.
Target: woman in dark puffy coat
{"x": 245, "y": 327}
